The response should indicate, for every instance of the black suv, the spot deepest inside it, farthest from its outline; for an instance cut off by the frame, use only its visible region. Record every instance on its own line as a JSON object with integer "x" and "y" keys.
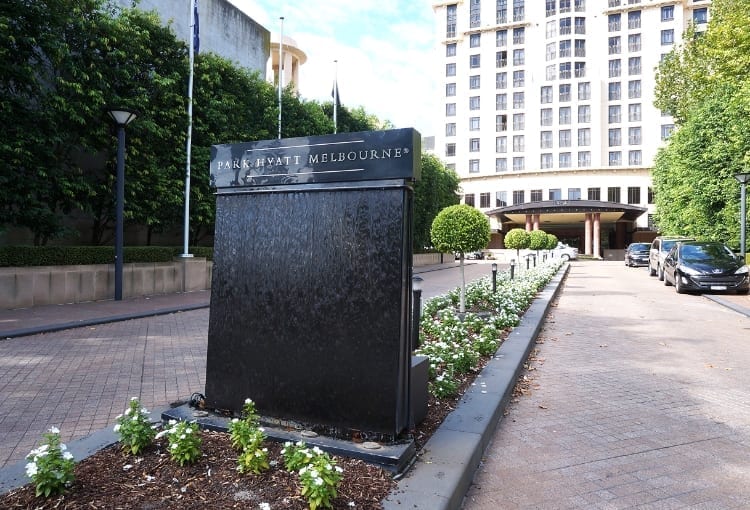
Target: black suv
{"x": 637, "y": 254}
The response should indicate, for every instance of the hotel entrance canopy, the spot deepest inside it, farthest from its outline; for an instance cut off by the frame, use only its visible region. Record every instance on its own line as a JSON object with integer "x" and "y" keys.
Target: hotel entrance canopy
{"x": 566, "y": 212}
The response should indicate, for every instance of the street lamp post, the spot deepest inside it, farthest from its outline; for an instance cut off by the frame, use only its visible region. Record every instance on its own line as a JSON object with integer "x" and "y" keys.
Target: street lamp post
{"x": 743, "y": 180}
{"x": 122, "y": 117}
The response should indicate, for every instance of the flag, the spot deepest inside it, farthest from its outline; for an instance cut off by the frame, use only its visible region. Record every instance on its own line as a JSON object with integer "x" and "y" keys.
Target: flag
{"x": 196, "y": 30}
{"x": 335, "y": 94}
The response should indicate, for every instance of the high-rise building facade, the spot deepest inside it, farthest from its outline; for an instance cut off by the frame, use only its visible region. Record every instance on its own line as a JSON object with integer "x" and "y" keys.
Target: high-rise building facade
{"x": 547, "y": 113}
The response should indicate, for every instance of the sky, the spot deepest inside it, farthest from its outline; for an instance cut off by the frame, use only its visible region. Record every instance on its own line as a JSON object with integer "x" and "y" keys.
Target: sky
{"x": 385, "y": 53}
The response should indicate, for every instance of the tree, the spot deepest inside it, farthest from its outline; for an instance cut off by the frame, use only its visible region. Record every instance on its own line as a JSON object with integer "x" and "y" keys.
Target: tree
{"x": 537, "y": 240}
{"x": 517, "y": 239}
{"x": 551, "y": 242}
{"x": 460, "y": 228}
{"x": 435, "y": 190}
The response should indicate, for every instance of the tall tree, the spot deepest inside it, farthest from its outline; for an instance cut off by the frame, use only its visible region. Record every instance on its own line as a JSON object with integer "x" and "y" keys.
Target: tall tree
{"x": 434, "y": 191}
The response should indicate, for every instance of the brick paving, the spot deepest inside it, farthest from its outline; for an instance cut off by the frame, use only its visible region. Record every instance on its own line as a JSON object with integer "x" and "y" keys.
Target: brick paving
{"x": 637, "y": 398}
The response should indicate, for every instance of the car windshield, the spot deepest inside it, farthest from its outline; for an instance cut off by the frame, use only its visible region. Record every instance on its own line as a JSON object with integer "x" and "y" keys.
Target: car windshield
{"x": 667, "y": 245}
{"x": 704, "y": 252}
{"x": 640, "y": 247}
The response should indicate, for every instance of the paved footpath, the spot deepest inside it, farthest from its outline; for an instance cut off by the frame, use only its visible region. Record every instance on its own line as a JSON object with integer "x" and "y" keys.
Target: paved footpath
{"x": 637, "y": 398}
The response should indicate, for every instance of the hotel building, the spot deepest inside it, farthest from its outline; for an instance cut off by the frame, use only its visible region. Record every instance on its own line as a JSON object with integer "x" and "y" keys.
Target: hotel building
{"x": 547, "y": 113}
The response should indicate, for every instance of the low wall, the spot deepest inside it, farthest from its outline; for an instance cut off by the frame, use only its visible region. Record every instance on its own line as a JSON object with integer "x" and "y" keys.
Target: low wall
{"x": 430, "y": 259}
{"x": 22, "y": 287}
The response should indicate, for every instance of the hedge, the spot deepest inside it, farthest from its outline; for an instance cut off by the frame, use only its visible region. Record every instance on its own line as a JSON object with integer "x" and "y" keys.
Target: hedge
{"x": 22, "y": 256}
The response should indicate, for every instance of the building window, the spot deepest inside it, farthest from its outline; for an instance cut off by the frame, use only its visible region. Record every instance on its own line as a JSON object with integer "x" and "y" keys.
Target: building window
{"x": 473, "y": 123}
{"x": 564, "y": 138}
{"x": 634, "y": 195}
{"x": 450, "y": 50}
{"x": 450, "y": 89}
{"x": 615, "y": 137}
{"x": 550, "y": 8}
{"x": 518, "y": 143}
{"x": 501, "y": 165}
{"x": 551, "y": 29}
{"x": 501, "y": 101}
{"x": 474, "y": 40}
{"x": 584, "y": 137}
{"x": 651, "y": 222}
{"x": 473, "y": 144}
{"x": 634, "y": 136}
{"x": 502, "y": 11}
{"x": 634, "y": 19}
{"x": 584, "y": 159}
{"x": 584, "y": 91}
{"x": 564, "y": 6}
{"x": 666, "y": 131}
{"x": 475, "y": 13}
{"x": 565, "y": 26}
{"x": 565, "y": 92}
{"x": 501, "y": 198}
{"x": 564, "y": 71}
{"x": 580, "y": 5}
{"x": 484, "y": 200}
{"x": 565, "y": 49}
{"x": 594, "y": 193}
{"x": 613, "y": 22}
{"x": 546, "y": 95}
{"x": 473, "y": 166}
{"x": 634, "y": 89}
{"x": 546, "y": 160}
{"x": 474, "y": 81}
{"x": 545, "y": 116}
{"x": 474, "y": 103}
{"x": 501, "y": 144}
{"x": 450, "y": 109}
{"x": 501, "y": 58}
{"x": 614, "y": 45}
{"x": 579, "y": 69}
{"x": 501, "y": 123}
{"x": 615, "y": 158}
{"x": 667, "y": 13}
{"x": 634, "y": 112}
{"x": 614, "y": 68}
{"x": 613, "y": 194}
{"x": 614, "y": 116}
{"x": 551, "y": 72}
{"x": 450, "y": 149}
{"x": 519, "y": 35}
{"x": 574, "y": 193}
{"x": 650, "y": 195}
{"x": 584, "y": 114}
{"x": 580, "y": 48}
{"x": 550, "y": 52}
{"x": 634, "y": 157}
{"x": 565, "y": 115}
{"x": 519, "y": 57}
{"x": 519, "y": 78}
{"x": 536, "y": 195}
{"x": 501, "y": 80}
{"x": 580, "y": 26}
{"x": 700, "y": 16}
{"x": 634, "y": 42}
{"x": 565, "y": 160}
{"x": 469, "y": 199}
{"x": 519, "y": 164}
{"x": 501, "y": 38}
{"x": 518, "y": 100}
{"x": 518, "y": 197}
{"x": 450, "y": 69}
{"x": 450, "y": 129}
{"x": 545, "y": 140}
{"x": 519, "y": 10}
{"x": 667, "y": 37}
{"x": 555, "y": 194}
{"x": 450, "y": 21}
{"x": 614, "y": 91}
{"x": 450, "y": 166}
{"x": 519, "y": 121}
{"x": 474, "y": 61}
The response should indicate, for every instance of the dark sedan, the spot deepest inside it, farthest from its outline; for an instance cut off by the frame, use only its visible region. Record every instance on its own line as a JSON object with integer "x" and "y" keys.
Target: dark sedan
{"x": 705, "y": 266}
{"x": 636, "y": 254}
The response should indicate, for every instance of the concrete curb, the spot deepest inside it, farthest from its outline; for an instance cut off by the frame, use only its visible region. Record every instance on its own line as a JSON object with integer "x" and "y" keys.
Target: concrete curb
{"x": 723, "y": 302}
{"x": 446, "y": 465}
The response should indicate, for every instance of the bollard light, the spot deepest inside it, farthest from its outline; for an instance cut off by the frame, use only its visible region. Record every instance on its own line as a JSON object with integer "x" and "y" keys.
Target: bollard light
{"x": 122, "y": 117}
{"x": 494, "y": 277}
{"x": 512, "y": 267}
{"x": 416, "y": 290}
{"x": 528, "y": 261}
{"x": 534, "y": 260}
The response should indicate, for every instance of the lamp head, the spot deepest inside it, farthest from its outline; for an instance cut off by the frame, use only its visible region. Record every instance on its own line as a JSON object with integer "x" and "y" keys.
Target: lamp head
{"x": 121, "y": 116}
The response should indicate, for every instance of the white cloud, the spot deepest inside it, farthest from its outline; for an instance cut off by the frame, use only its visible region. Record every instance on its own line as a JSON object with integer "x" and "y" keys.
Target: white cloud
{"x": 384, "y": 49}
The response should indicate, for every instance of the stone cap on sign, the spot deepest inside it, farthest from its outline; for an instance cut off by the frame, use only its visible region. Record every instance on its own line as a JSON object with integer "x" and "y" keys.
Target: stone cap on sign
{"x": 345, "y": 157}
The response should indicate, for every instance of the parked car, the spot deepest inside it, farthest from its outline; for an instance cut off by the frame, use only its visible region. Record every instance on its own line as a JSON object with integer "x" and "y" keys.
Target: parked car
{"x": 565, "y": 252}
{"x": 636, "y": 254}
{"x": 472, "y": 255}
{"x": 705, "y": 266}
{"x": 660, "y": 246}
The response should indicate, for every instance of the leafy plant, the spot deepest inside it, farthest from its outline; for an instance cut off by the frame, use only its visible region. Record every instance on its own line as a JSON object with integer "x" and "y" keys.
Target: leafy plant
{"x": 296, "y": 455}
{"x": 134, "y": 428}
{"x": 320, "y": 480}
{"x": 248, "y": 437}
{"x": 50, "y": 466}
{"x": 184, "y": 441}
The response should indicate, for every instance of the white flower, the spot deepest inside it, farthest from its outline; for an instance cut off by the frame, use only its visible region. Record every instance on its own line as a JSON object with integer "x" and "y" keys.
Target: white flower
{"x": 127, "y": 467}
{"x": 338, "y": 469}
{"x": 172, "y": 422}
{"x": 133, "y": 398}
{"x": 264, "y": 506}
{"x": 317, "y": 450}
{"x": 318, "y": 481}
{"x": 351, "y": 504}
{"x": 183, "y": 436}
{"x": 117, "y": 428}
{"x": 174, "y": 446}
{"x": 54, "y": 430}
{"x": 161, "y": 434}
{"x": 248, "y": 401}
{"x": 127, "y": 412}
{"x": 68, "y": 456}
{"x": 31, "y": 469}
{"x": 303, "y": 470}
{"x": 235, "y": 420}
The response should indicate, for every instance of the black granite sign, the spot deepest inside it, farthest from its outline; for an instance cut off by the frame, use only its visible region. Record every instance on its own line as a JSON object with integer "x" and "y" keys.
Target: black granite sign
{"x": 318, "y": 159}
{"x": 311, "y": 290}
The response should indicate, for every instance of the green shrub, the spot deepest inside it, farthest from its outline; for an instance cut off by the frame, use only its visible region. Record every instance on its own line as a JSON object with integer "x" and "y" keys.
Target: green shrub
{"x": 25, "y": 256}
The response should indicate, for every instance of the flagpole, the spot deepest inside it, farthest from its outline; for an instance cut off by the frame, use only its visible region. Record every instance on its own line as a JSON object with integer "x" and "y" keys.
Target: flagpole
{"x": 281, "y": 68}
{"x": 186, "y": 227}
{"x": 335, "y": 94}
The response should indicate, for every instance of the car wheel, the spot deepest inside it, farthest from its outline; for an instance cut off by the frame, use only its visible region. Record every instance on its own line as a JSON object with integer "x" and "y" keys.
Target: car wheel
{"x": 565, "y": 257}
{"x": 660, "y": 272}
{"x": 665, "y": 280}
{"x": 651, "y": 271}
{"x": 678, "y": 287}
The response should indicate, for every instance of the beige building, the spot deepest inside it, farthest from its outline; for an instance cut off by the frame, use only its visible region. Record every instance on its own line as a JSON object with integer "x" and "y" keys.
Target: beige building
{"x": 292, "y": 58}
{"x": 548, "y": 113}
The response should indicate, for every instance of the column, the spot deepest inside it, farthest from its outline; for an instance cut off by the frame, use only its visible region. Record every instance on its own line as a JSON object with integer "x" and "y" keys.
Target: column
{"x": 587, "y": 234}
{"x": 536, "y": 221}
{"x": 528, "y": 223}
{"x": 597, "y": 236}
